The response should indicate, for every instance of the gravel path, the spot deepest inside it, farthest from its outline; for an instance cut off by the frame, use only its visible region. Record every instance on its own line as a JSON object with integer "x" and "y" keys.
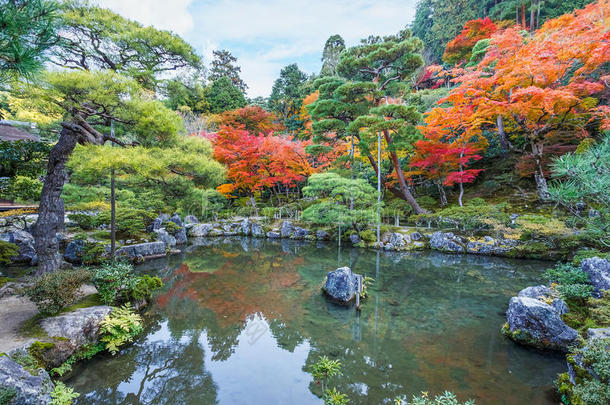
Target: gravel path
{"x": 14, "y": 311}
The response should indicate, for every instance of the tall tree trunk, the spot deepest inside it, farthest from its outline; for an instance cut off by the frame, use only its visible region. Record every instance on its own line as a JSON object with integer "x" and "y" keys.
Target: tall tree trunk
{"x": 523, "y": 21}
{"x": 541, "y": 184}
{"x": 532, "y": 15}
{"x": 502, "y": 134}
{"x": 112, "y": 215}
{"x": 538, "y": 16}
{"x": 51, "y": 210}
{"x": 402, "y": 183}
{"x": 441, "y": 193}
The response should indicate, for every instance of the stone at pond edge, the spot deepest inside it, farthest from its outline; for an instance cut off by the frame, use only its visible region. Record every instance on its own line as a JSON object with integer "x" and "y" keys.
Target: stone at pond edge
{"x": 341, "y": 285}
{"x": 286, "y": 229}
{"x": 190, "y": 219}
{"x": 166, "y": 238}
{"x": 538, "y": 291}
{"x": 257, "y": 230}
{"x": 80, "y": 326}
{"x": 322, "y": 235}
{"x": 31, "y": 389}
{"x": 446, "y": 242}
{"x": 599, "y": 273}
{"x": 273, "y": 235}
{"x": 535, "y": 323}
{"x": 144, "y": 250}
{"x": 200, "y": 230}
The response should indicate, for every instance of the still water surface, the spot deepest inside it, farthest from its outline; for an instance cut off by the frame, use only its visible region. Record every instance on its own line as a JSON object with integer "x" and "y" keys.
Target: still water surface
{"x": 240, "y": 321}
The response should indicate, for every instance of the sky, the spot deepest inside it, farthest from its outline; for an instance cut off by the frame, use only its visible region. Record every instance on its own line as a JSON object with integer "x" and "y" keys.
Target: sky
{"x": 266, "y": 35}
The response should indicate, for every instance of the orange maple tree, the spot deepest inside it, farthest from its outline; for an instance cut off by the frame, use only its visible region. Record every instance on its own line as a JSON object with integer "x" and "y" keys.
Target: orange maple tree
{"x": 257, "y": 162}
{"x": 460, "y": 48}
{"x": 251, "y": 118}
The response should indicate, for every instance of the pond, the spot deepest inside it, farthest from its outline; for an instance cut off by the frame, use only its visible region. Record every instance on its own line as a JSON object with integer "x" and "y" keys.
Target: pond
{"x": 240, "y": 321}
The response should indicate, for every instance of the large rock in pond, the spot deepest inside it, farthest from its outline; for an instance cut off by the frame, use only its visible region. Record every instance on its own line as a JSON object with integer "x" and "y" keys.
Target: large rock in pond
{"x": 341, "y": 285}
{"x": 25, "y": 244}
{"x": 273, "y": 235}
{"x": 397, "y": 241}
{"x": 447, "y": 242}
{"x": 537, "y": 292}
{"x": 246, "y": 227}
{"x": 322, "y": 235}
{"x": 536, "y": 323}
{"x": 80, "y": 326}
{"x": 29, "y": 389}
{"x": 142, "y": 250}
{"x": 599, "y": 273}
{"x": 163, "y": 236}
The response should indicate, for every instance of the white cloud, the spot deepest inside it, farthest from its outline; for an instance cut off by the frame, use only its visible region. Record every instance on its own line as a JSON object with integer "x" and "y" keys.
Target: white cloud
{"x": 172, "y": 15}
{"x": 266, "y": 35}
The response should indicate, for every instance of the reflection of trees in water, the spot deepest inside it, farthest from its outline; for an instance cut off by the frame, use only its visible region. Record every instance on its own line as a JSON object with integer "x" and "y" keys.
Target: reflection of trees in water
{"x": 420, "y": 328}
{"x": 159, "y": 372}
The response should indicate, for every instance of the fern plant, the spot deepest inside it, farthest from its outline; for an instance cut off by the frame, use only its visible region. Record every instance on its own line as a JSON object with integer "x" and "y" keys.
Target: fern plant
{"x": 63, "y": 395}
{"x": 334, "y": 397}
{"x": 119, "y": 328}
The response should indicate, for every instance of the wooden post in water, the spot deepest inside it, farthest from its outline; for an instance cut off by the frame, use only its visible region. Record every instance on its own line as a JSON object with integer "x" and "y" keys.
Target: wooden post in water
{"x": 358, "y": 292}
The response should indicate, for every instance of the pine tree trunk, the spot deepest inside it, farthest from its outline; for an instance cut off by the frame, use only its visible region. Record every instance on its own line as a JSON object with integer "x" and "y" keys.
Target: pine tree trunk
{"x": 523, "y": 21}
{"x": 402, "y": 183}
{"x": 532, "y": 16}
{"x": 51, "y": 210}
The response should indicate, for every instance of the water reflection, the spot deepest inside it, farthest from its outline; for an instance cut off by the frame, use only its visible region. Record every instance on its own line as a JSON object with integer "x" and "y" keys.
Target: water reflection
{"x": 241, "y": 321}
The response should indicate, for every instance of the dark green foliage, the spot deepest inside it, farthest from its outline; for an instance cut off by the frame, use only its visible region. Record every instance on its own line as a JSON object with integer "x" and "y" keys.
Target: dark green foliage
{"x": 287, "y": 95}
{"x": 112, "y": 278}
{"x": 224, "y": 95}
{"x": 117, "y": 284}
{"x": 225, "y": 65}
{"x": 439, "y": 21}
{"x": 24, "y": 158}
{"x": 573, "y": 282}
{"x": 27, "y": 30}
{"x": 7, "y": 394}
{"x": 55, "y": 291}
{"x": 180, "y": 95}
{"x": 7, "y": 250}
{"x": 330, "y": 56}
{"x": 85, "y": 221}
{"x": 471, "y": 217}
{"x": 588, "y": 253}
{"x": 145, "y": 286}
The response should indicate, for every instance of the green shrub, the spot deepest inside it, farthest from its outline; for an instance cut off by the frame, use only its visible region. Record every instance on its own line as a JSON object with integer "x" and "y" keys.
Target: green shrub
{"x": 144, "y": 287}
{"x": 369, "y": 236}
{"x": 130, "y": 223}
{"x": 84, "y": 221}
{"x": 119, "y": 328}
{"x": 94, "y": 253}
{"x": 171, "y": 227}
{"x": 588, "y": 390}
{"x": 7, "y": 394}
{"x": 63, "y": 395}
{"x": 25, "y": 189}
{"x": 587, "y": 254}
{"x": 573, "y": 283}
{"x": 111, "y": 278}
{"x": 7, "y": 250}
{"x": 55, "y": 291}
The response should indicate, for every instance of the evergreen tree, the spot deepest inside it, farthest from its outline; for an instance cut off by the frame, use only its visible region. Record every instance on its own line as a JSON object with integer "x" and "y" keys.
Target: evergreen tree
{"x": 287, "y": 96}
{"x": 222, "y": 95}
{"x": 330, "y": 56}
{"x": 224, "y": 65}
{"x": 27, "y": 30}
{"x": 97, "y": 38}
{"x": 371, "y": 72}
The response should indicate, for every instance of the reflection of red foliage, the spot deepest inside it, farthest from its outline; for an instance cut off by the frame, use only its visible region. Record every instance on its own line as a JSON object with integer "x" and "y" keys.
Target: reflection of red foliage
{"x": 239, "y": 289}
